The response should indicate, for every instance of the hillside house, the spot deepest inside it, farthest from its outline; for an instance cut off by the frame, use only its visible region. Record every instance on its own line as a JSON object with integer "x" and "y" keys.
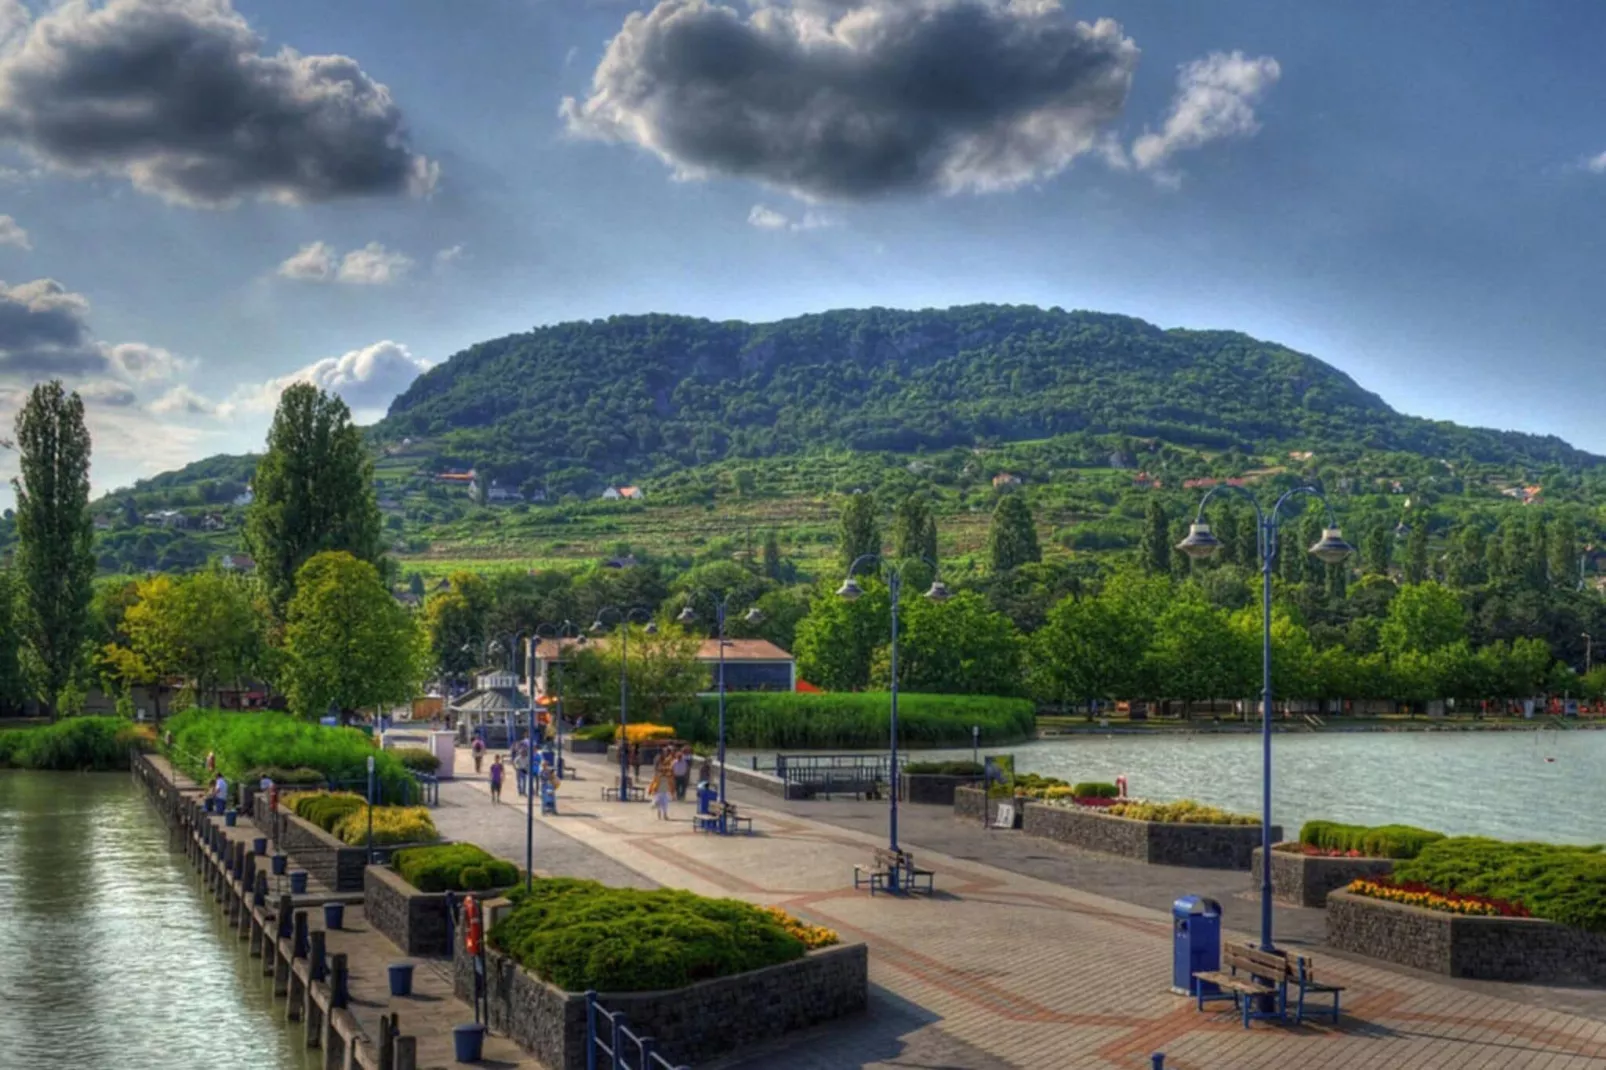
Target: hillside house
{"x": 500, "y": 495}
{"x": 457, "y": 479}
{"x": 1145, "y": 481}
{"x": 750, "y": 664}
{"x": 628, "y": 494}
{"x": 244, "y": 498}
{"x": 103, "y": 522}
{"x": 1004, "y": 480}
{"x": 1525, "y": 495}
{"x": 213, "y": 522}
{"x": 167, "y": 518}
{"x": 237, "y": 563}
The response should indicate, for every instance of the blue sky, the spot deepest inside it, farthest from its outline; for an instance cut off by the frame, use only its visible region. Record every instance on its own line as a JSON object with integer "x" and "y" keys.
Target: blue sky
{"x": 1410, "y": 192}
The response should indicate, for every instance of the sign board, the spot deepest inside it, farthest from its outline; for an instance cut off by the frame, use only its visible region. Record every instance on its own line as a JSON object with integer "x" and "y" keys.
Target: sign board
{"x": 1006, "y": 816}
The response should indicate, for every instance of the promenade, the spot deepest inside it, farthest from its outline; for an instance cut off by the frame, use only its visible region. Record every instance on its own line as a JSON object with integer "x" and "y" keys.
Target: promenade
{"x": 1005, "y": 968}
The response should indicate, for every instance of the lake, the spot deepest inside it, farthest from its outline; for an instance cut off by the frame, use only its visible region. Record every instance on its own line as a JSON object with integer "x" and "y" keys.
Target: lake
{"x": 1469, "y": 783}
{"x": 111, "y": 952}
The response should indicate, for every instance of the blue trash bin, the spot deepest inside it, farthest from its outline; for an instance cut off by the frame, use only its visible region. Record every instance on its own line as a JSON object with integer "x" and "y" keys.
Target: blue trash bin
{"x": 334, "y": 915}
{"x": 705, "y": 799}
{"x": 1196, "y": 943}
{"x": 468, "y": 1042}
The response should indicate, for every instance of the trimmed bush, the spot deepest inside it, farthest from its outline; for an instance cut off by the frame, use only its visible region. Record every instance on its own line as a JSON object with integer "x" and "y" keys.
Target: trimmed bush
{"x": 596, "y": 733}
{"x": 1095, "y": 789}
{"x": 417, "y": 759}
{"x": 1032, "y": 785}
{"x": 392, "y": 825}
{"x": 325, "y": 809}
{"x": 965, "y": 768}
{"x": 582, "y": 935}
{"x": 1562, "y": 883}
{"x": 1181, "y": 812}
{"x": 74, "y": 744}
{"x": 1381, "y": 841}
{"x": 247, "y": 741}
{"x": 286, "y": 778}
{"x": 459, "y": 867}
{"x": 791, "y": 719}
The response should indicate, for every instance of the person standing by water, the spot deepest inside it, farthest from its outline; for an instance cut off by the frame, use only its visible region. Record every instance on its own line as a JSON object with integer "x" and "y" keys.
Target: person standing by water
{"x": 478, "y": 750}
{"x": 521, "y": 764}
{"x": 681, "y": 767}
{"x": 496, "y": 780}
{"x": 220, "y": 791}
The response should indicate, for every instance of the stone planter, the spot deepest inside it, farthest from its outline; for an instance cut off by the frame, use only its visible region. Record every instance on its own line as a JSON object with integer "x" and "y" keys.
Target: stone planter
{"x": 332, "y": 862}
{"x": 690, "y": 1025}
{"x": 933, "y": 789}
{"x": 1156, "y": 842}
{"x": 1303, "y": 880}
{"x": 415, "y": 921}
{"x": 1488, "y": 949}
{"x": 588, "y": 746}
{"x": 971, "y": 803}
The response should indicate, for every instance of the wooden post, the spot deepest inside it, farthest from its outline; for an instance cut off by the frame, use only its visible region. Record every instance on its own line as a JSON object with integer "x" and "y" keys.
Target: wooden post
{"x": 298, "y": 947}
{"x": 317, "y": 960}
{"x": 406, "y": 1053}
{"x": 337, "y": 981}
{"x": 387, "y": 1043}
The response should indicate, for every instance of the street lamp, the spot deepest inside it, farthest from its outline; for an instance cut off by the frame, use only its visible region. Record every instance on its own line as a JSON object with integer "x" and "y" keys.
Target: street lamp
{"x": 1330, "y": 548}
{"x": 370, "y": 809}
{"x": 567, "y": 630}
{"x": 851, "y": 591}
{"x": 626, "y": 616}
{"x": 752, "y": 616}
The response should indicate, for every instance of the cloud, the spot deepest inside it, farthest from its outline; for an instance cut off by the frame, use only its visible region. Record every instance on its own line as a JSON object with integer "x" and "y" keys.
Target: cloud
{"x": 1596, "y": 164}
{"x": 107, "y": 392}
{"x": 12, "y": 234}
{"x": 182, "y": 401}
{"x": 372, "y": 265}
{"x": 840, "y": 99}
{"x": 766, "y": 218}
{"x": 449, "y": 255}
{"x": 137, "y": 362}
{"x": 1216, "y": 98}
{"x": 178, "y": 97}
{"x": 368, "y": 379}
{"x": 44, "y": 331}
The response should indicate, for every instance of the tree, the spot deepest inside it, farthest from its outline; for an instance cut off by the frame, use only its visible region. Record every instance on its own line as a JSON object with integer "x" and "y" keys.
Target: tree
{"x": 837, "y": 639}
{"x": 203, "y": 628}
{"x": 1376, "y": 550}
{"x": 1416, "y": 553}
{"x": 1562, "y": 544}
{"x": 415, "y": 584}
{"x": 661, "y": 671}
{"x": 1194, "y": 654}
{"x": 958, "y": 647}
{"x": 455, "y": 625}
{"x": 1422, "y": 618}
{"x": 1154, "y": 550}
{"x": 1085, "y": 651}
{"x": 858, "y": 534}
{"x": 13, "y": 684}
{"x": 54, "y": 559}
{"x": 348, "y": 643}
{"x": 313, "y": 491}
{"x": 914, "y": 530}
{"x": 1012, "y": 537}
{"x": 772, "y": 557}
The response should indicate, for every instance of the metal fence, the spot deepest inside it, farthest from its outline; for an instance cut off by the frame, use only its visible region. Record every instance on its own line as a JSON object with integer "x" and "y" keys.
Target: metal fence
{"x": 825, "y": 773}
{"x": 607, "y": 1033}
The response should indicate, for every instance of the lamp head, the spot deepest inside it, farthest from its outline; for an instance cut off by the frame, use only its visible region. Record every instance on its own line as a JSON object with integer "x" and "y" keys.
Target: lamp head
{"x": 687, "y": 615}
{"x": 1201, "y": 541}
{"x": 850, "y": 589}
{"x": 754, "y": 616}
{"x": 939, "y": 592}
{"x": 1331, "y": 547}
{"x": 597, "y": 627}
{"x": 652, "y": 627}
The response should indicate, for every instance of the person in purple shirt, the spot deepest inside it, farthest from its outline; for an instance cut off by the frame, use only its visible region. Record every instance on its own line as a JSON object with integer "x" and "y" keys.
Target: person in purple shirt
{"x": 496, "y": 780}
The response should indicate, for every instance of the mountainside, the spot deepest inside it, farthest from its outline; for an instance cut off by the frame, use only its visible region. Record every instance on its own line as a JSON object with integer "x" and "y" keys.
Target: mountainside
{"x": 638, "y": 395}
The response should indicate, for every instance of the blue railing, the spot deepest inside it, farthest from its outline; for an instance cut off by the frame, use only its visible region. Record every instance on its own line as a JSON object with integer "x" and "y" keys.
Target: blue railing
{"x": 607, "y": 1033}
{"x": 429, "y": 788}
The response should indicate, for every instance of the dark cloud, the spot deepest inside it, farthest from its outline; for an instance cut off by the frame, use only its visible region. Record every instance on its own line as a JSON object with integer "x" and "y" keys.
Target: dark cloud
{"x": 833, "y": 99}
{"x": 177, "y": 96}
{"x": 44, "y": 330}
{"x": 106, "y": 392}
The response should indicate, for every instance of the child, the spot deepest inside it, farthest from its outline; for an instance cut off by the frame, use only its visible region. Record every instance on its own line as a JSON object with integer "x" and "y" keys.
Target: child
{"x": 478, "y": 750}
{"x": 496, "y": 780}
{"x": 660, "y": 796}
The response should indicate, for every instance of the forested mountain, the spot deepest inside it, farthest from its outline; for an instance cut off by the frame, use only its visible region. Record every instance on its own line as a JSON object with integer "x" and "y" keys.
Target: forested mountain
{"x": 638, "y": 395}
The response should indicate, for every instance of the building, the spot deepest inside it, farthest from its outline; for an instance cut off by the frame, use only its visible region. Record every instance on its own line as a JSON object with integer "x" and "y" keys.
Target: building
{"x": 237, "y": 563}
{"x": 245, "y": 497}
{"x": 103, "y": 522}
{"x": 629, "y": 494}
{"x": 213, "y": 522}
{"x": 498, "y": 494}
{"x": 461, "y": 479}
{"x": 1005, "y": 479}
{"x": 750, "y": 664}
{"x": 167, "y": 518}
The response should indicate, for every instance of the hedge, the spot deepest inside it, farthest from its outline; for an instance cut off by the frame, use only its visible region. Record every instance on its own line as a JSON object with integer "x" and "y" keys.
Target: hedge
{"x": 286, "y": 778}
{"x": 74, "y": 744}
{"x": 418, "y": 759}
{"x": 1562, "y": 883}
{"x": 581, "y": 935}
{"x": 1380, "y": 841}
{"x": 959, "y": 768}
{"x": 243, "y": 742}
{"x": 325, "y": 809}
{"x": 453, "y": 867}
{"x": 794, "y": 719}
{"x": 391, "y": 825}
{"x": 1095, "y": 789}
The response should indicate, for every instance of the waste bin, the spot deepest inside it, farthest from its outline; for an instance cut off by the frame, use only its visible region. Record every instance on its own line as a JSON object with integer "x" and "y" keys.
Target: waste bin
{"x": 1196, "y": 943}
{"x": 705, "y": 798}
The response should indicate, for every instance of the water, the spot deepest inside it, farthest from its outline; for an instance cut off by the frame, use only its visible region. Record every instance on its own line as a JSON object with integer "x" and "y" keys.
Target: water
{"x": 1464, "y": 783}
{"x": 111, "y": 952}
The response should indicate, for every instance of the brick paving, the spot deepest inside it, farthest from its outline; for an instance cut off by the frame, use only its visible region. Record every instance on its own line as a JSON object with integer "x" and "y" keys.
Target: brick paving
{"x": 1004, "y": 968}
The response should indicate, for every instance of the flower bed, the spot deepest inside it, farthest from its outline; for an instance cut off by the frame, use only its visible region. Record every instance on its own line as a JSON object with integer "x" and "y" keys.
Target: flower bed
{"x": 1561, "y": 883}
{"x": 1200, "y": 844}
{"x": 1181, "y": 812}
{"x": 1416, "y": 894}
{"x": 1305, "y": 876}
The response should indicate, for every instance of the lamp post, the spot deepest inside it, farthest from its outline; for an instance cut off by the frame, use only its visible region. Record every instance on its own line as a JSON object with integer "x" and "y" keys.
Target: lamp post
{"x": 567, "y": 630}
{"x": 1330, "y": 548}
{"x": 752, "y": 616}
{"x": 370, "y": 809}
{"x": 1589, "y": 652}
{"x": 626, "y": 616}
{"x": 851, "y": 591}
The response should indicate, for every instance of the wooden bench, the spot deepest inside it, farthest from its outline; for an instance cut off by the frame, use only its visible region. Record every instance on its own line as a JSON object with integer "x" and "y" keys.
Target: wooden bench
{"x": 726, "y": 812}
{"x": 633, "y": 794}
{"x": 1251, "y": 976}
{"x": 893, "y": 871}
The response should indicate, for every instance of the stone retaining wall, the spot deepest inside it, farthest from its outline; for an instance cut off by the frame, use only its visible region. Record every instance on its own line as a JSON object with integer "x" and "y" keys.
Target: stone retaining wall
{"x": 934, "y": 789}
{"x": 335, "y": 864}
{"x": 690, "y": 1025}
{"x": 1156, "y": 842}
{"x": 1529, "y": 950}
{"x": 972, "y": 803}
{"x": 1305, "y": 880}
{"x": 415, "y": 921}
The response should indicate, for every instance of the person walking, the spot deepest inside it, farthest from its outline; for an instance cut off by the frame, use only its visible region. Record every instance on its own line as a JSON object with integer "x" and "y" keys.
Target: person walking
{"x": 478, "y": 750}
{"x": 496, "y": 780}
{"x": 660, "y": 794}
{"x": 635, "y": 761}
{"x": 521, "y": 764}
{"x": 681, "y": 767}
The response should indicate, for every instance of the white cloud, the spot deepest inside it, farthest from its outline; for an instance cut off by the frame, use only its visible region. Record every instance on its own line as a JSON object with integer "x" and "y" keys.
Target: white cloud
{"x": 1216, "y": 98}
{"x": 11, "y": 233}
{"x": 182, "y": 401}
{"x": 140, "y": 363}
{"x": 449, "y": 255}
{"x": 372, "y": 265}
{"x": 1596, "y": 164}
{"x": 766, "y": 218}
{"x": 368, "y": 379}
{"x": 107, "y": 392}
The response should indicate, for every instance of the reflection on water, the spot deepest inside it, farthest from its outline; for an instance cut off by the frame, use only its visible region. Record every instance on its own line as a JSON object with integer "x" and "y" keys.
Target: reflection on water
{"x": 111, "y": 952}
{"x": 1548, "y": 785}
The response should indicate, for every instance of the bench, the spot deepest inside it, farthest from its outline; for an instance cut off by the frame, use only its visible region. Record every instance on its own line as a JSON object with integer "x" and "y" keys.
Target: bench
{"x": 633, "y": 794}
{"x": 893, "y": 871}
{"x": 723, "y": 816}
{"x": 1252, "y": 975}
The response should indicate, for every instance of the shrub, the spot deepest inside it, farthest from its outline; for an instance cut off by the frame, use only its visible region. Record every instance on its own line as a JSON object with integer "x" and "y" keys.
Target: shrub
{"x": 583, "y": 935}
{"x": 790, "y": 719}
{"x": 1562, "y": 883}
{"x": 246, "y": 741}
{"x": 392, "y": 825}
{"x": 1181, "y": 812}
{"x": 325, "y": 809}
{"x": 646, "y": 733}
{"x": 449, "y": 868}
{"x": 417, "y": 759}
{"x": 1095, "y": 789}
{"x": 1382, "y": 841}
{"x": 1033, "y": 786}
{"x": 72, "y": 745}
{"x": 963, "y": 768}
{"x": 596, "y": 733}
{"x": 286, "y": 778}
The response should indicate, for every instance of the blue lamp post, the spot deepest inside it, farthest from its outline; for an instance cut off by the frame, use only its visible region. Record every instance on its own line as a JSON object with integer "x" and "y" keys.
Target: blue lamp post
{"x": 370, "y": 809}
{"x": 752, "y": 616}
{"x": 626, "y": 616}
{"x": 851, "y": 591}
{"x": 1330, "y": 548}
{"x": 567, "y": 630}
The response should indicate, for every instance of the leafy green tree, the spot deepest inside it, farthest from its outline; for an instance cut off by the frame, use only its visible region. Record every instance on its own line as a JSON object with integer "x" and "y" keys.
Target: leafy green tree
{"x": 13, "y": 683}
{"x": 1087, "y": 650}
{"x": 1154, "y": 550}
{"x": 1194, "y": 655}
{"x": 1012, "y": 536}
{"x": 1416, "y": 552}
{"x": 1562, "y": 544}
{"x": 702, "y": 586}
{"x": 348, "y": 643}
{"x": 1378, "y": 548}
{"x": 1422, "y": 618}
{"x": 837, "y": 640}
{"x": 773, "y": 565}
{"x": 661, "y": 671}
{"x": 415, "y": 584}
{"x": 455, "y": 625}
{"x": 1294, "y": 670}
{"x": 914, "y": 530}
{"x": 1466, "y": 560}
{"x": 858, "y": 533}
{"x": 54, "y": 559}
{"x": 313, "y": 491}
{"x": 958, "y": 647}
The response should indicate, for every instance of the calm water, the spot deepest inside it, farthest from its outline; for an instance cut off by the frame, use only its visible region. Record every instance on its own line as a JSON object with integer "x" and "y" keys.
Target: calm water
{"x": 111, "y": 954}
{"x": 1485, "y": 783}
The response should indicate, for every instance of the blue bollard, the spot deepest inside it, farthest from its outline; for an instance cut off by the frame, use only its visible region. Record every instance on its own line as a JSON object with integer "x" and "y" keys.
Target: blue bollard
{"x": 334, "y": 915}
{"x": 468, "y": 1042}
{"x": 259, "y": 846}
{"x": 1157, "y": 1060}
{"x": 230, "y": 817}
{"x": 298, "y": 882}
{"x": 278, "y": 863}
{"x": 401, "y": 978}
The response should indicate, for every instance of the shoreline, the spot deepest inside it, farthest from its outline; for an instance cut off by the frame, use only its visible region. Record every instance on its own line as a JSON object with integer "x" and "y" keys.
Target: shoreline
{"x": 1332, "y": 726}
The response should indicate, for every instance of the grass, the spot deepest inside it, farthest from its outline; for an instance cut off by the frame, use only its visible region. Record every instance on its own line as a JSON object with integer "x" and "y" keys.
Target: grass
{"x": 844, "y": 720}
{"x": 76, "y": 744}
{"x": 243, "y": 742}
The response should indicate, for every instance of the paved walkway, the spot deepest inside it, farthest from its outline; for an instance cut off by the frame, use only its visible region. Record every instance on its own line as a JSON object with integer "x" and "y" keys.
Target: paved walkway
{"x": 1008, "y": 969}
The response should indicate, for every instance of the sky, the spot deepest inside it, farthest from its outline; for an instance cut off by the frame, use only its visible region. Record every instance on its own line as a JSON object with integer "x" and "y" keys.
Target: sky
{"x": 203, "y": 201}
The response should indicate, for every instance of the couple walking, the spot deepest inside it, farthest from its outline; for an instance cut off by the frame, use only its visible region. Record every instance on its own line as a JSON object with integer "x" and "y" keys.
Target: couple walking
{"x": 672, "y": 770}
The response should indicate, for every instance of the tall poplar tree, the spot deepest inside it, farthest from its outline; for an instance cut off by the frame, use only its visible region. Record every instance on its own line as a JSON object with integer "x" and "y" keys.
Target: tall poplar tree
{"x": 1154, "y": 551}
{"x": 914, "y": 530}
{"x": 314, "y": 491}
{"x": 859, "y": 534}
{"x": 55, "y": 562}
{"x": 1012, "y": 538}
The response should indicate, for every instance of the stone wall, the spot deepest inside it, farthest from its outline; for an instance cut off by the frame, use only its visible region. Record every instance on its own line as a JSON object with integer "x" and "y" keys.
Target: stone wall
{"x": 414, "y": 921}
{"x": 971, "y": 803}
{"x": 1156, "y": 842}
{"x": 1529, "y": 950}
{"x": 1305, "y": 880}
{"x": 691, "y": 1024}
{"x": 933, "y": 789}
